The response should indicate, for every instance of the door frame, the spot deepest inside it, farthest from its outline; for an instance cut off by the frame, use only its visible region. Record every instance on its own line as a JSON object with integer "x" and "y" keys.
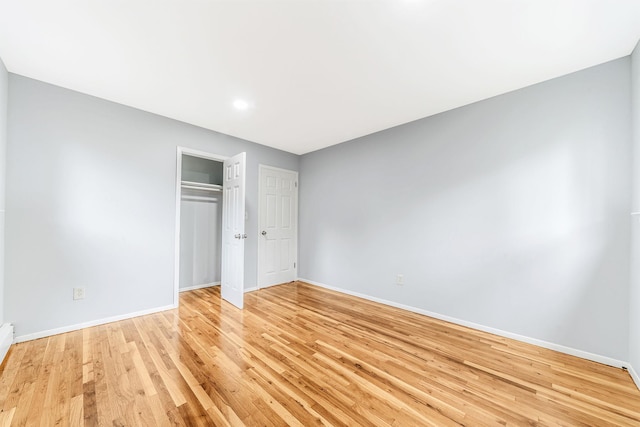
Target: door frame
{"x": 180, "y": 151}
{"x": 261, "y": 167}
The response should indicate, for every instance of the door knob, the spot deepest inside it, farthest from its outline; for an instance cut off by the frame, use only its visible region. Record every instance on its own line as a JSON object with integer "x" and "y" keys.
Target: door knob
{"x": 264, "y": 233}
{"x": 238, "y": 236}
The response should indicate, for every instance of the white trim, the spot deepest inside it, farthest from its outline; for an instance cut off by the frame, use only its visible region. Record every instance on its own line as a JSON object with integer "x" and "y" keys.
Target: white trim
{"x": 251, "y": 289}
{"x": 204, "y": 285}
{"x": 176, "y": 249}
{"x": 6, "y": 339}
{"x": 195, "y": 153}
{"x": 262, "y": 167}
{"x": 202, "y": 154}
{"x": 540, "y": 343}
{"x": 634, "y": 376}
{"x": 70, "y": 328}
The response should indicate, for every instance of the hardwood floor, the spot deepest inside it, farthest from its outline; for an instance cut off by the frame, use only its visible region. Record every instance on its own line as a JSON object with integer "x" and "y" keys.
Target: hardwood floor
{"x": 302, "y": 355}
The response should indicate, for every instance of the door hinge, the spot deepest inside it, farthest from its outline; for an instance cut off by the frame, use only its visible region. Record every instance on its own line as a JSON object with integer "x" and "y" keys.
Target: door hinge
{"x": 294, "y": 265}
{"x": 296, "y": 184}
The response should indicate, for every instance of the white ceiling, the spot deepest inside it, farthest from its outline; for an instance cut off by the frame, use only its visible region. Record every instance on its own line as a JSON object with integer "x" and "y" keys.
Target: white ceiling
{"x": 314, "y": 72}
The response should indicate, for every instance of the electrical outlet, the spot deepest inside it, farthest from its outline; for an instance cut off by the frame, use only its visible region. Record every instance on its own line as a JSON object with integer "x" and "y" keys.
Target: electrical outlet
{"x": 400, "y": 279}
{"x": 78, "y": 293}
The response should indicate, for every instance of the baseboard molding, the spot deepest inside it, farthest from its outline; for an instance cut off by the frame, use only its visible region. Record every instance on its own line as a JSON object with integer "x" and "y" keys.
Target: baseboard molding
{"x": 70, "y": 328}
{"x": 193, "y": 288}
{"x": 634, "y": 376}
{"x": 6, "y": 339}
{"x": 274, "y": 284}
{"x": 540, "y": 343}
{"x": 251, "y": 289}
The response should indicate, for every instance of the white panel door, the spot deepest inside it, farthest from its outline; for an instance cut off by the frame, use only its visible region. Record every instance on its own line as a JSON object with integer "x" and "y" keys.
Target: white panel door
{"x": 278, "y": 225}
{"x": 233, "y": 235}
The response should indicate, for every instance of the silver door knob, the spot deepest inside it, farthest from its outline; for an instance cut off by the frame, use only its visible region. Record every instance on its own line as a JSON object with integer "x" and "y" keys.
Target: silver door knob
{"x": 244, "y": 236}
{"x": 264, "y": 233}
{"x": 238, "y": 236}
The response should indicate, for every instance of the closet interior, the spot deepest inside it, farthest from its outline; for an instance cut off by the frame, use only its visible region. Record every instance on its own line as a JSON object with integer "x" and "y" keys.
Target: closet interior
{"x": 200, "y": 222}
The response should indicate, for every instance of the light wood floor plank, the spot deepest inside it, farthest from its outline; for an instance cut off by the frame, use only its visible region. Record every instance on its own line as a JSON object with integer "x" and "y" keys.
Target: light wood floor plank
{"x": 300, "y": 355}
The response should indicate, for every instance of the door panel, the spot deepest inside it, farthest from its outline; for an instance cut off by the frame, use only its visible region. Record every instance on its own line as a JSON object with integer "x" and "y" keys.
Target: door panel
{"x": 285, "y": 221}
{"x": 271, "y": 211}
{"x": 285, "y": 255}
{"x": 277, "y": 248}
{"x": 233, "y": 233}
{"x": 270, "y": 254}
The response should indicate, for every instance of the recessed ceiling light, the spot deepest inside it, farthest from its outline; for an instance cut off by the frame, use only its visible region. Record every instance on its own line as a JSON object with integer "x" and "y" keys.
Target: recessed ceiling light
{"x": 240, "y": 104}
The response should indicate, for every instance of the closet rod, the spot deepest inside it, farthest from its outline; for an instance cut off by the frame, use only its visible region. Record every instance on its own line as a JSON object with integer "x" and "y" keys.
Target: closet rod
{"x": 199, "y": 199}
{"x": 200, "y": 186}
{"x": 195, "y": 187}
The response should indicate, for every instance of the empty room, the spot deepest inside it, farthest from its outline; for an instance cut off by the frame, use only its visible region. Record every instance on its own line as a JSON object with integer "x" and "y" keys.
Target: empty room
{"x": 338, "y": 213}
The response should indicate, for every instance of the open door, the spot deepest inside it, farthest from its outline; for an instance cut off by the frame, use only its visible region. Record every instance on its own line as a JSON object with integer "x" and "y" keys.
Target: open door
{"x": 233, "y": 235}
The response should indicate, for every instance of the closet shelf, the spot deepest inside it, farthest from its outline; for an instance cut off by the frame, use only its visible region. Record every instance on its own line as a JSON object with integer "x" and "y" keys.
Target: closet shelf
{"x": 200, "y": 186}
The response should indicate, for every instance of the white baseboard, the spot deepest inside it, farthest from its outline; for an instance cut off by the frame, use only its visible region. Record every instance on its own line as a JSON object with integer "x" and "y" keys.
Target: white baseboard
{"x": 540, "y": 343}
{"x": 70, "y": 328}
{"x": 275, "y": 284}
{"x": 6, "y": 339}
{"x": 193, "y": 288}
{"x": 251, "y": 289}
{"x": 634, "y": 375}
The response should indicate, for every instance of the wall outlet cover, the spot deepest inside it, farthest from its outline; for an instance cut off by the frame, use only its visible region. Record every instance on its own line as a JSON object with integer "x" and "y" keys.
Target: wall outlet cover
{"x": 78, "y": 293}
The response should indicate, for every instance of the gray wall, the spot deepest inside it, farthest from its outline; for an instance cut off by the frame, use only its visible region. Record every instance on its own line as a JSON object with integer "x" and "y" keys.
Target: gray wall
{"x": 91, "y": 203}
{"x": 511, "y": 213}
{"x": 634, "y": 297}
{"x": 4, "y": 86}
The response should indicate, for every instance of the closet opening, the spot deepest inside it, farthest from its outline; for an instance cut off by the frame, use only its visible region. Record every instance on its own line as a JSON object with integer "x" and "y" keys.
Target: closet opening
{"x": 210, "y": 223}
{"x": 200, "y": 222}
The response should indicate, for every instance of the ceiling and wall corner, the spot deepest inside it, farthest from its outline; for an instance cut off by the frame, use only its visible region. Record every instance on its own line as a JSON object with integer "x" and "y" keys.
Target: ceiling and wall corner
{"x": 310, "y": 73}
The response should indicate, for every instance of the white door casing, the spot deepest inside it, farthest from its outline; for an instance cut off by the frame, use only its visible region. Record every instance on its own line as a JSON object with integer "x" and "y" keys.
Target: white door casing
{"x": 233, "y": 232}
{"x": 278, "y": 226}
